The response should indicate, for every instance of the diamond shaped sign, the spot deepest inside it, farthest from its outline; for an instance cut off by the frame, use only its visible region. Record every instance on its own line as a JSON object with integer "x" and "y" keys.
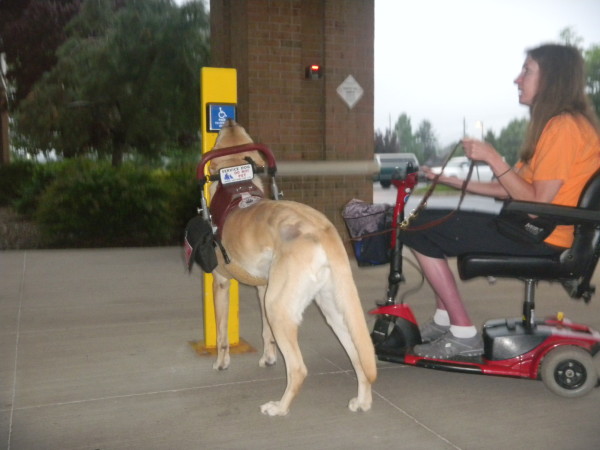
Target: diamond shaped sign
{"x": 350, "y": 91}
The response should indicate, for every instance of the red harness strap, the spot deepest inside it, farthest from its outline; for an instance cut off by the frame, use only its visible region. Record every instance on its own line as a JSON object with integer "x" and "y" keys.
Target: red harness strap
{"x": 231, "y": 196}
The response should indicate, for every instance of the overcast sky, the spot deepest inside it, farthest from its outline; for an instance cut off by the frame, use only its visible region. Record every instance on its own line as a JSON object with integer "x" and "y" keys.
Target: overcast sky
{"x": 449, "y": 60}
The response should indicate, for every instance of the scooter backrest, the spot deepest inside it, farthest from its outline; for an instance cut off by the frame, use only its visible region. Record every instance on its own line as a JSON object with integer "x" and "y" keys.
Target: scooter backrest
{"x": 583, "y": 254}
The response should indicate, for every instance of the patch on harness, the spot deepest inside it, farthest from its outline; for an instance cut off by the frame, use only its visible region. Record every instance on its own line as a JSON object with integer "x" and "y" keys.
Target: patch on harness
{"x": 248, "y": 200}
{"x": 236, "y": 191}
{"x": 236, "y": 174}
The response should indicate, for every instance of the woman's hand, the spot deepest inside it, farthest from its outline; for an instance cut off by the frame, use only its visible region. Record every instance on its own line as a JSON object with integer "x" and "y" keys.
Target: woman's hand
{"x": 479, "y": 150}
{"x": 443, "y": 179}
{"x": 426, "y": 170}
{"x": 509, "y": 182}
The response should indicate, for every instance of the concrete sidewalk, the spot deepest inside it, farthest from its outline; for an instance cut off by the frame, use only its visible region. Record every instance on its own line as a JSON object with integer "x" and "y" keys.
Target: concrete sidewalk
{"x": 95, "y": 354}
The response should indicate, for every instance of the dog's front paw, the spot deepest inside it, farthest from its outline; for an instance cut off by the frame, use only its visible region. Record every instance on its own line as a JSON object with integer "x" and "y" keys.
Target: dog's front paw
{"x": 273, "y": 409}
{"x": 222, "y": 363}
{"x": 355, "y": 404}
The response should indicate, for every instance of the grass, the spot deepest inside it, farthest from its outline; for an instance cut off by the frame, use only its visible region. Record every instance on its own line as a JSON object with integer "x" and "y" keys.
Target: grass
{"x": 439, "y": 190}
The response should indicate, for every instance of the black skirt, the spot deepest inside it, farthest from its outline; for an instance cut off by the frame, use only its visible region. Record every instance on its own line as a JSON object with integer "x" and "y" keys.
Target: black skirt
{"x": 465, "y": 232}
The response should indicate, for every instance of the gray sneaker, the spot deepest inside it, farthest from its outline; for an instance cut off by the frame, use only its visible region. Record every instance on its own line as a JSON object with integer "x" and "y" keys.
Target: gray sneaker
{"x": 431, "y": 331}
{"x": 448, "y": 346}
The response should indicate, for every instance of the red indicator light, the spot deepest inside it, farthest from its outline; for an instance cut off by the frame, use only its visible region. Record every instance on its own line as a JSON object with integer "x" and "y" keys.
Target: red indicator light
{"x": 313, "y": 72}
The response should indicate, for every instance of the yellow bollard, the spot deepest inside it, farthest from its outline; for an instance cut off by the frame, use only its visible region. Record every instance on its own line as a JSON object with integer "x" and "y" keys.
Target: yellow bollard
{"x": 218, "y": 97}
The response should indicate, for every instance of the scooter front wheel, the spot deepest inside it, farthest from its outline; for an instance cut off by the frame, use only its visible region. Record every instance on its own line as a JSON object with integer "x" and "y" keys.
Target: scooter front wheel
{"x": 569, "y": 371}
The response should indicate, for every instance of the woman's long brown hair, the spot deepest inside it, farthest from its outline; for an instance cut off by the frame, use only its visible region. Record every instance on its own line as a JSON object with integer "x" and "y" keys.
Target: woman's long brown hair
{"x": 561, "y": 90}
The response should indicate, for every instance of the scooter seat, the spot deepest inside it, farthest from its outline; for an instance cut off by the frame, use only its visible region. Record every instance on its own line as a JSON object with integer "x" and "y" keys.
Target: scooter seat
{"x": 573, "y": 267}
{"x": 508, "y": 266}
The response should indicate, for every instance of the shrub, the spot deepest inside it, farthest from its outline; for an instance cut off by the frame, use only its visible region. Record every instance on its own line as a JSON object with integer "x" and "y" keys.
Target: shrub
{"x": 184, "y": 196}
{"x": 93, "y": 204}
{"x": 13, "y": 177}
{"x": 43, "y": 175}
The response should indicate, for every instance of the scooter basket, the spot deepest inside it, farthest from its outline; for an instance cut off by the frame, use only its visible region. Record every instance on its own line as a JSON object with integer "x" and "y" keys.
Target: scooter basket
{"x": 369, "y": 226}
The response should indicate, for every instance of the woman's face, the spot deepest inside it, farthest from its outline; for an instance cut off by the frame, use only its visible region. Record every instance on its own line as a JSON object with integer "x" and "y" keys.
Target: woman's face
{"x": 528, "y": 81}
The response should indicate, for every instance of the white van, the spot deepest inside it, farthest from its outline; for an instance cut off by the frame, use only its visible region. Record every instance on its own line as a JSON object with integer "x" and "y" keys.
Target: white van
{"x": 389, "y": 163}
{"x": 459, "y": 167}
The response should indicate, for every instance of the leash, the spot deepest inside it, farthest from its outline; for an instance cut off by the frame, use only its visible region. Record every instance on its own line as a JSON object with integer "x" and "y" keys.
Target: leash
{"x": 405, "y": 224}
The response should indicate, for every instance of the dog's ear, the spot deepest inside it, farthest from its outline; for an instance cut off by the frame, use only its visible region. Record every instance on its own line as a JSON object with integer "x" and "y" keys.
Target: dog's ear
{"x": 231, "y": 135}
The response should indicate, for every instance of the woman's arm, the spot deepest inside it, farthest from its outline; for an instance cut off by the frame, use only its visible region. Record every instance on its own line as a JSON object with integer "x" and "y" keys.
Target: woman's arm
{"x": 510, "y": 182}
{"x": 488, "y": 189}
{"x": 538, "y": 191}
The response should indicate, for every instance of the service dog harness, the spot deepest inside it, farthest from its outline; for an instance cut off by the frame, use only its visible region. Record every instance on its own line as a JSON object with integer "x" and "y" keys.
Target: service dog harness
{"x": 235, "y": 190}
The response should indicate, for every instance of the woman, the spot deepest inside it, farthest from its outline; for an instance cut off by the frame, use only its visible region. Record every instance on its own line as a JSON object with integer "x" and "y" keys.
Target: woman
{"x": 560, "y": 153}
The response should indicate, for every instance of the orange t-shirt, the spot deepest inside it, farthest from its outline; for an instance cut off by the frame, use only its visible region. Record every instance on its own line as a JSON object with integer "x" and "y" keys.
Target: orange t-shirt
{"x": 568, "y": 150}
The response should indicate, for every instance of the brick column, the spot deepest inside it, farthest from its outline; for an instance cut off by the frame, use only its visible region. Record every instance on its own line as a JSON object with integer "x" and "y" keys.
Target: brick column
{"x": 270, "y": 42}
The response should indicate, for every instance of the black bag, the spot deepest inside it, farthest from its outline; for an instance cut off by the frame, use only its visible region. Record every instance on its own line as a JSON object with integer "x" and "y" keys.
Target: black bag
{"x": 520, "y": 226}
{"x": 199, "y": 245}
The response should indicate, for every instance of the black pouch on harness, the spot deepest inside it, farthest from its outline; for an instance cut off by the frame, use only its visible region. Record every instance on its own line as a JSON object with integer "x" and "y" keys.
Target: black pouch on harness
{"x": 199, "y": 244}
{"x": 520, "y": 226}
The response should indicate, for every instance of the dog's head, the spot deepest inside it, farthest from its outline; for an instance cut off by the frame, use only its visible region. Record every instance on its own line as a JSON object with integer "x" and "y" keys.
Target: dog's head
{"x": 232, "y": 134}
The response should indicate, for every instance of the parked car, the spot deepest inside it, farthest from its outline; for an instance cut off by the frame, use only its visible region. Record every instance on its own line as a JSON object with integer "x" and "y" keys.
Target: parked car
{"x": 393, "y": 163}
{"x": 459, "y": 167}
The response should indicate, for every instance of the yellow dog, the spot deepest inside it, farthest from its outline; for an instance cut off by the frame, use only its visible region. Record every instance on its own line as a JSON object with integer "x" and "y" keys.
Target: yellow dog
{"x": 292, "y": 254}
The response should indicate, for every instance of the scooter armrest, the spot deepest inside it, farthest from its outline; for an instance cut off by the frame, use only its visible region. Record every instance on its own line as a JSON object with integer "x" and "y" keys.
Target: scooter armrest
{"x": 565, "y": 215}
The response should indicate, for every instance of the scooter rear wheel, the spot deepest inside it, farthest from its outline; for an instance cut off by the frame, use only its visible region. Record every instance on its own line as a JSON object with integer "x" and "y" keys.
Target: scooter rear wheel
{"x": 569, "y": 371}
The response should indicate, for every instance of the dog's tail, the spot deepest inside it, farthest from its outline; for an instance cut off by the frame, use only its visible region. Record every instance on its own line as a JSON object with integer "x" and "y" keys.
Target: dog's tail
{"x": 349, "y": 300}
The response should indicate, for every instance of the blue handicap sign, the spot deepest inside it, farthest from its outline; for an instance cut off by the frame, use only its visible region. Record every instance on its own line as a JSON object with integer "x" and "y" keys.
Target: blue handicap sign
{"x": 218, "y": 115}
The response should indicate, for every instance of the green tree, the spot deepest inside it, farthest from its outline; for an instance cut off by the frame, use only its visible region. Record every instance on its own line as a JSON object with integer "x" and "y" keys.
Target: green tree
{"x": 592, "y": 61}
{"x": 569, "y": 37}
{"x": 386, "y": 142}
{"x": 125, "y": 80}
{"x": 510, "y": 140}
{"x": 426, "y": 144}
{"x": 403, "y": 130}
{"x": 423, "y": 142}
{"x": 490, "y": 137}
{"x": 30, "y": 33}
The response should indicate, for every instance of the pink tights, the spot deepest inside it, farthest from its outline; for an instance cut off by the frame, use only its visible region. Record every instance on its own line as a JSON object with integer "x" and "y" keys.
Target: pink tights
{"x": 440, "y": 277}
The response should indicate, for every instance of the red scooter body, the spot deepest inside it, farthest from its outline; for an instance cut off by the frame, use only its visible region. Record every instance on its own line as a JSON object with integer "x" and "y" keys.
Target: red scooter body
{"x": 556, "y": 350}
{"x": 509, "y": 348}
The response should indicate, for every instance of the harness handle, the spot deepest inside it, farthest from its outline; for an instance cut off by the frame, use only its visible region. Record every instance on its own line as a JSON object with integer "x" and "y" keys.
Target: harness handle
{"x": 216, "y": 177}
{"x": 266, "y": 151}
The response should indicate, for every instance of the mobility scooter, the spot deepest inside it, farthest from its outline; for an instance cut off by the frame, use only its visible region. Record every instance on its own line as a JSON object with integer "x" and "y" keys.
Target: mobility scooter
{"x": 555, "y": 350}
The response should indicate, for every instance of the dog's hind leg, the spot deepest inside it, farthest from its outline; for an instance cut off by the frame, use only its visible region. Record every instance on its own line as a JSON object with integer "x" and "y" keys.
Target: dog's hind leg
{"x": 337, "y": 320}
{"x": 285, "y": 300}
{"x": 286, "y": 334}
{"x": 221, "y": 298}
{"x": 269, "y": 356}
